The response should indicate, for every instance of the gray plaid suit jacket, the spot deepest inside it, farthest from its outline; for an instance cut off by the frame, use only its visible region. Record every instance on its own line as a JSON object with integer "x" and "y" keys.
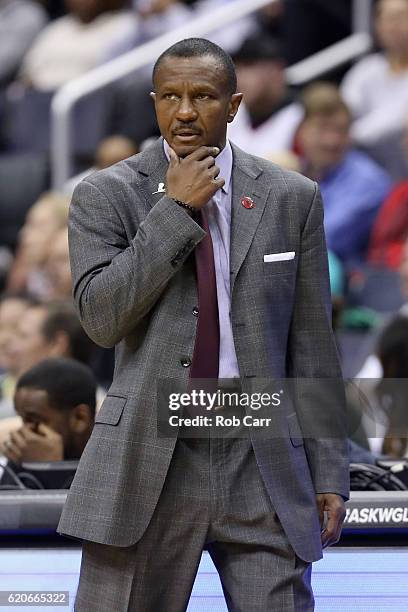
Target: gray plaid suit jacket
{"x": 135, "y": 288}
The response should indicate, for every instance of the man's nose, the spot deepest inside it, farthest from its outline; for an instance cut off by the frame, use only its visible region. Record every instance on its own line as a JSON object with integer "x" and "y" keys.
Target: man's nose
{"x": 186, "y": 110}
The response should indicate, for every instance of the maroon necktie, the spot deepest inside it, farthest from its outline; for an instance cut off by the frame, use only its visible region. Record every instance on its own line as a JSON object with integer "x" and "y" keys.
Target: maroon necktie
{"x": 206, "y": 354}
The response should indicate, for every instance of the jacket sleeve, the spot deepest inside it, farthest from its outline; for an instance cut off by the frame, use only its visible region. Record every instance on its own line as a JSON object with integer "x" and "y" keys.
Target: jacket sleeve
{"x": 314, "y": 363}
{"x": 116, "y": 281}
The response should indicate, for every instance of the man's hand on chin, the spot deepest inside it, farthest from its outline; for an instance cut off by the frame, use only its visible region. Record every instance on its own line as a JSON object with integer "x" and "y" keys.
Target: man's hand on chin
{"x": 26, "y": 444}
{"x": 334, "y": 506}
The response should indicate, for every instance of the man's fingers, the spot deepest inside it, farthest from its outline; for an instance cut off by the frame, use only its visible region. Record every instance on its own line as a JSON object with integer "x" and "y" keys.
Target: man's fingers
{"x": 12, "y": 452}
{"x": 214, "y": 172}
{"x": 219, "y": 183}
{"x": 201, "y": 153}
{"x": 208, "y": 162}
{"x": 17, "y": 438}
{"x": 334, "y": 506}
{"x": 332, "y": 533}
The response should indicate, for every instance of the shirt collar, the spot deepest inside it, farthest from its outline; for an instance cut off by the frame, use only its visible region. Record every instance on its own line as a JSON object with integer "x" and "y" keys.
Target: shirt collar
{"x": 223, "y": 160}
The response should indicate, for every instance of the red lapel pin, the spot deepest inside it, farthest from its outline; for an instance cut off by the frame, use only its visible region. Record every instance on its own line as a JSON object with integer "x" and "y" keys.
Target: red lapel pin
{"x": 247, "y": 202}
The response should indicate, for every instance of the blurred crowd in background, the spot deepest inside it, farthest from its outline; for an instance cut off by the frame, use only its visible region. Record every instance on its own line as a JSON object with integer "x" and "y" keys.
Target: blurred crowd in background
{"x": 348, "y": 131}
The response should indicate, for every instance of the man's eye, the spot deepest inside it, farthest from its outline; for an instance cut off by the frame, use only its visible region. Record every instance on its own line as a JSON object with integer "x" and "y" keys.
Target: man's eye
{"x": 170, "y": 96}
{"x": 203, "y": 96}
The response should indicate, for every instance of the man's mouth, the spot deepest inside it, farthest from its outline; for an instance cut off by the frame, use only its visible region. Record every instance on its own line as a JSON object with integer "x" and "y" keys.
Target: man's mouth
{"x": 186, "y": 134}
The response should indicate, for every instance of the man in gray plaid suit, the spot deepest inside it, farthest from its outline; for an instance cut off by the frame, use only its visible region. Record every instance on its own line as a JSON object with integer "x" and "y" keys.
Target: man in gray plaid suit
{"x": 146, "y": 505}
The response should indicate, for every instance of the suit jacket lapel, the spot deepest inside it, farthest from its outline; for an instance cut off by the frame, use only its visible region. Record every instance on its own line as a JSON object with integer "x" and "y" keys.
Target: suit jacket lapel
{"x": 153, "y": 166}
{"x": 244, "y": 221}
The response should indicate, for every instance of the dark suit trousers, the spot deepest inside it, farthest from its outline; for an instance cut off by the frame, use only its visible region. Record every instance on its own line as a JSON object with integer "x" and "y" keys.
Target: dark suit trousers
{"x": 213, "y": 498}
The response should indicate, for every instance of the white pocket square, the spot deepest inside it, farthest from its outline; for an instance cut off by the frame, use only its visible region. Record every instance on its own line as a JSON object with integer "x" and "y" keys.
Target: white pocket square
{"x": 279, "y": 256}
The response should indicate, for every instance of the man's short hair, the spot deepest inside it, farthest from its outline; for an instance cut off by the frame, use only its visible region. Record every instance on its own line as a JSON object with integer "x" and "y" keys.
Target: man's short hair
{"x": 61, "y": 317}
{"x": 258, "y": 48}
{"x": 67, "y": 383}
{"x": 201, "y": 47}
{"x": 323, "y": 99}
{"x": 392, "y": 346}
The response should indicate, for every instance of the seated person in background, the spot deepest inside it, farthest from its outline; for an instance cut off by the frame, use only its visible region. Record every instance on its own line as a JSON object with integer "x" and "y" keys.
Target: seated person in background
{"x": 376, "y": 88}
{"x": 56, "y": 402}
{"x": 20, "y": 22}
{"x": 111, "y": 150}
{"x": 114, "y": 149}
{"x": 287, "y": 159}
{"x": 49, "y": 330}
{"x": 352, "y": 185}
{"x": 48, "y": 215}
{"x": 392, "y": 391}
{"x": 390, "y": 230}
{"x": 372, "y": 367}
{"x": 44, "y": 331}
{"x": 57, "y": 269}
{"x": 12, "y": 309}
{"x": 151, "y": 18}
{"x": 268, "y": 118}
{"x": 75, "y": 43}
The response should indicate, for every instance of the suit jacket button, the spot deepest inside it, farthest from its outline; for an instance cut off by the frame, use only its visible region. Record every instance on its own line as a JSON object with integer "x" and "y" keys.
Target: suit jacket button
{"x": 185, "y": 362}
{"x": 195, "y": 311}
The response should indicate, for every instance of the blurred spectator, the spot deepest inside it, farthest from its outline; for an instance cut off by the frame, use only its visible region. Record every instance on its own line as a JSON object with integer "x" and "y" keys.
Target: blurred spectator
{"x": 132, "y": 112}
{"x": 114, "y": 149}
{"x": 48, "y": 330}
{"x": 43, "y": 331}
{"x": 231, "y": 36}
{"x": 56, "y": 402}
{"x": 75, "y": 43}
{"x": 268, "y": 117}
{"x": 151, "y": 18}
{"x": 390, "y": 230}
{"x": 372, "y": 367}
{"x": 352, "y": 185}
{"x": 270, "y": 20}
{"x": 44, "y": 219}
{"x": 403, "y": 272}
{"x": 286, "y": 159}
{"x": 111, "y": 150}
{"x": 23, "y": 178}
{"x": 20, "y": 23}
{"x": 57, "y": 268}
{"x": 376, "y": 88}
{"x": 393, "y": 389}
{"x": 12, "y": 309}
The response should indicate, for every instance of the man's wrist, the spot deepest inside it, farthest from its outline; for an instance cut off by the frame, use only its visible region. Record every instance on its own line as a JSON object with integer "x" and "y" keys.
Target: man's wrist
{"x": 184, "y": 205}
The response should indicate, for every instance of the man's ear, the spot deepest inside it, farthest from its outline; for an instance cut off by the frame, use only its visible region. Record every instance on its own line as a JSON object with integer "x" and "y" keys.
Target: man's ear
{"x": 152, "y": 94}
{"x": 81, "y": 418}
{"x": 235, "y": 101}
